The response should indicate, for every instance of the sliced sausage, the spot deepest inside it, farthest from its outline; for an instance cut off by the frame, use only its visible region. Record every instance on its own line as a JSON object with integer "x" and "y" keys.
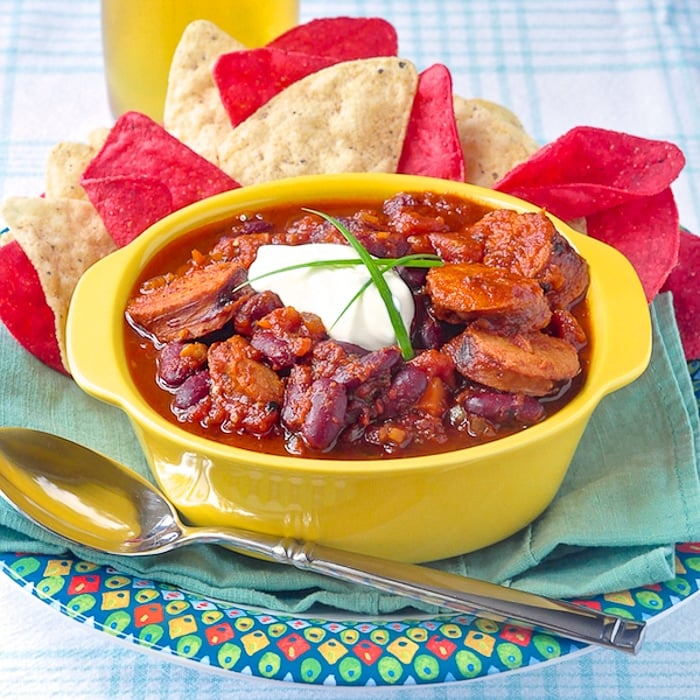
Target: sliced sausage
{"x": 529, "y": 245}
{"x": 499, "y": 299}
{"x": 191, "y": 305}
{"x": 566, "y": 278}
{"x": 520, "y": 243}
{"x": 529, "y": 363}
{"x": 457, "y": 246}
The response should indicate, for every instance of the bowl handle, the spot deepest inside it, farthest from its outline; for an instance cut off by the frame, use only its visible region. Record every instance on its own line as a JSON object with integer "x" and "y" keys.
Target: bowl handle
{"x": 94, "y": 333}
{"x": 623, "y": 335}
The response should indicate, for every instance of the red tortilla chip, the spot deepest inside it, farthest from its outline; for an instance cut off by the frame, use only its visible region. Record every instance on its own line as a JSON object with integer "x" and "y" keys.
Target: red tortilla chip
{"x": 342, "y": 38}
{"x": 620, "y": 183}
{"x": 248, "y": 79}
{"x": 129, "y": 205}
{"x": 23, "y": 307}
{"x": 137, "y": 147}
{"x": 432, "y": 145}
{"x": 646, "y": 231}
{"x": 684, "y": 284}
{"x": 590, "y": 169}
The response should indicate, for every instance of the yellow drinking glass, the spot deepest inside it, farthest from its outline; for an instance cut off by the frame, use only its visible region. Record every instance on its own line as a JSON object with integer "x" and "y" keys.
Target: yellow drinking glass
{"x": 140, "y": 36}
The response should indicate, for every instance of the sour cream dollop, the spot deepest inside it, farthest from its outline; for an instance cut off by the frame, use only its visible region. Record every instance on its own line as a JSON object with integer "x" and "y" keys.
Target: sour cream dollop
{"x": 326, "y": 291}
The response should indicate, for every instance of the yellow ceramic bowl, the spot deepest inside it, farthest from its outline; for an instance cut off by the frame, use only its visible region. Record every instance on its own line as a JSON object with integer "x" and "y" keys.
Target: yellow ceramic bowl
{"x": 412, "y": 509}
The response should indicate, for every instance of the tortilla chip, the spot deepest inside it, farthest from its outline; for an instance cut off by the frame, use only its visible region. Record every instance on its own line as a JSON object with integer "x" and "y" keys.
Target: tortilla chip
{"x": 64, "y": 168}
{"x": 343, "y": 38}
{"x": 23, "y": 307}
{"x": 248, "y": 79}
{"x": 66, "y": 163}
{"x": 349, "y": 117}
{"x": 193, "y": 110}
{"x": 496, "y": 110}
{"x": 589, "y": 169}
{"x": 620, "y": 183}
{"x": 684, "y": 284}
{"x": 139, "y": 148}
{"x": 492, "y": 138}
{"x": 432, "y": 144}
{"x": 129, "y": 205}
{"x": 646, "y": 231}
{"x": 40, "y": 227}
{"x": 97, "y": 137}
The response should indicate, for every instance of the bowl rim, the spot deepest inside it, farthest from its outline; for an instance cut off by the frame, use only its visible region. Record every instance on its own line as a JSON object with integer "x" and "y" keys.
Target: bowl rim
{"x": 115, "y": 385}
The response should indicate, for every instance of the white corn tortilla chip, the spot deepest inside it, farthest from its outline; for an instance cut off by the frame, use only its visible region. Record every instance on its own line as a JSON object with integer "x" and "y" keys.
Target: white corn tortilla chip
{"x": 193, "y": 110}
{"x": 349, "y": 117}
{"x": 65, "y": 165}
{"x": 61, "y": 238}
{"x": 493, "y": 140}
{"x": 97, "y": 137}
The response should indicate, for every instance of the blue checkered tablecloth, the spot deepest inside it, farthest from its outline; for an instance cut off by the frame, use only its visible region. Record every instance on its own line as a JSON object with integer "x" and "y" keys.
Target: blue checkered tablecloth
{"x": 630, "y": 65}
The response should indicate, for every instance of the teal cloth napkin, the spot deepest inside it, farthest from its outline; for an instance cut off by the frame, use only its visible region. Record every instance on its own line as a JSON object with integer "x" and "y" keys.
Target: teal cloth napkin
{"x": 631, "y": 492}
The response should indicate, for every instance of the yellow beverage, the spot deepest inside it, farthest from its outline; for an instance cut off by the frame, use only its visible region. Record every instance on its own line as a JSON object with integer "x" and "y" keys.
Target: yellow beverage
{"x": 139, "y": 38}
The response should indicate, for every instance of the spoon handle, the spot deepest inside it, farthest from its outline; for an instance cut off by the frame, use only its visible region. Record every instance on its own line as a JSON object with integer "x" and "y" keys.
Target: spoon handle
{"x": 467, "y": 595}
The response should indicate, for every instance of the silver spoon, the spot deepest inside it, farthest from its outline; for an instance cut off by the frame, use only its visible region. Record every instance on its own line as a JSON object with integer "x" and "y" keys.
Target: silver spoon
{"x": 92, "y": 500}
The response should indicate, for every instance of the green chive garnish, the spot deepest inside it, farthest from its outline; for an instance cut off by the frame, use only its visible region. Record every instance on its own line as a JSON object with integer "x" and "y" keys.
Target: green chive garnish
{"x": 413, "y": 260}
{"x": 400, "y": 331}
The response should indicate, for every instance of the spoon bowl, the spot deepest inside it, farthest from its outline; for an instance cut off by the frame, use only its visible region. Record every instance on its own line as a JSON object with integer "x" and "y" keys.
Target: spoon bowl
{"x": 91, "y": 500}
{"x": 106, "y": 507}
